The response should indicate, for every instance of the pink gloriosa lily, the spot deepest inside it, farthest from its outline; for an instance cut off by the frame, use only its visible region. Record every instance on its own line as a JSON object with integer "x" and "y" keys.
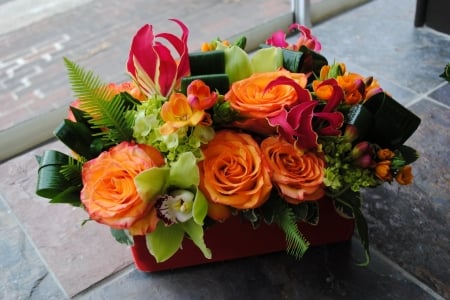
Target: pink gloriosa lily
{"x": 151, "y": 63}
{"x": 278, "y": 39}
{"x": 295, "y": 124}
{"x": 306, "y": 39}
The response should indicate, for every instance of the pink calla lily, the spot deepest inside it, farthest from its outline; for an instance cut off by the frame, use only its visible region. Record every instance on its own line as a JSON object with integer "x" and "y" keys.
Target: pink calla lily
{"x": 151, "y": 63}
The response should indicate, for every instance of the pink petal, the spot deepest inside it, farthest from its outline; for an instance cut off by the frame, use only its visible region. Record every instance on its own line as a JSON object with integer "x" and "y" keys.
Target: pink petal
{"x": 335, "y": 121}
{"x": 141, "y": 50}
{"x": 302, "y": 94}
{"x": 180, "y": 45}
{"x": 278, "y": 39}
{"x": 284, "y": 128}
{"x": 303, "y": 113}
{"x": 167, "y": 70}
{"x": 338, "y": 95}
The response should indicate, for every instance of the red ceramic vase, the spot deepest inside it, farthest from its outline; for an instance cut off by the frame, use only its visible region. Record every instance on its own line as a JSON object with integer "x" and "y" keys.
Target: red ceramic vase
{"x": 236, "y": 238}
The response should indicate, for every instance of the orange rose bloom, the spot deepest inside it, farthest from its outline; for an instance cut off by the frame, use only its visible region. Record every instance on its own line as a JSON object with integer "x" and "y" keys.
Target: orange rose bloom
{"x": 297, "y": 175}
{"x": 385, "y": 154}
{"x": 130, "y": 87}
{"x": 233, "y": 173}
{"x": 248, "y": 97}
{"x": 109, "y": 193}
{"x": 383, "y": 170}
{"x": 404, "y": 176}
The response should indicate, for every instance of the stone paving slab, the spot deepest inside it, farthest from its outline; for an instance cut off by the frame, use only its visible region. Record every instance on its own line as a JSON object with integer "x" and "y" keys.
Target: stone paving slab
{"x": 79, "y": 256}
{"x": 325, "y": 272}
{"x": 23, "y": 273}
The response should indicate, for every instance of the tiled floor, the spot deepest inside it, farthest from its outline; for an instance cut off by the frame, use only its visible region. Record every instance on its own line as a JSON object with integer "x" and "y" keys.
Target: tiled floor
{"x": 45, "y": 254}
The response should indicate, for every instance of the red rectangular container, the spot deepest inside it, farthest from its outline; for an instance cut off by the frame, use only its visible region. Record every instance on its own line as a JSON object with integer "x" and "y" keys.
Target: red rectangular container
{"x": 236, "y": 238}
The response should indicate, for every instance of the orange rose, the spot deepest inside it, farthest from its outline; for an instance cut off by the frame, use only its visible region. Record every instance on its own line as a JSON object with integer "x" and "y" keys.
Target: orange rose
{"x": 233, "y": 173}
{"x": 385, "y": 154}
{"x": 383, "y": 170}
{"x": 248, "y": 97}
{"x": 130, "y": 87}
{"x": 298, "y": 175}
{"x": 404, "y": 176}
{"x": 109, "y": 194}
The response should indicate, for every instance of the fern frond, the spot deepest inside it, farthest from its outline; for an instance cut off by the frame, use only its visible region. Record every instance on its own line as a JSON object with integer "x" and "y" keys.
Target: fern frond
{"x": 115, "y": 118}
{"x": 72, "y": 171}
{"x": 108, "y": 112}
{"x": 86, "y": 86}
{"x": 296, "y": 243}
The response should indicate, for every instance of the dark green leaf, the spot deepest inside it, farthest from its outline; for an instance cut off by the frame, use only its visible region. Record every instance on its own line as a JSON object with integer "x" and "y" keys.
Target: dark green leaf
{"x": 77, "y": 136}
{"x": 71, "y": 196}
{"x": 209, "y": 62}
{"x": 393, "y": 123}
{"x": 446, "y": 73}
{"x": 306, "y": 212}
{"x": 353, "y": 201}
{"x": 252, "y": 217}
{"x": 51, "y": 181}
{"x": 409, "y": 154}
{"x": 121, "y": 236}
{"x": 241, "y": 42}
{"x": 218, "y": 81}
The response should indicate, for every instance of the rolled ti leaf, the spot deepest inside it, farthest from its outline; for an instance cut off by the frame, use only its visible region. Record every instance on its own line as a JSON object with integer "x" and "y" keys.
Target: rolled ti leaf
{"x": 77, "y": 136}
{"x": 210, "y": 62}
{"x": 303, "y": 61}
{"x": 219, "y": 82}
{"x": 383, "y": 121}
{"x": 311, "y": 61}
{"x": 361, "y": 118}
{"x": 393, "y": 123}
{"x": 51, "y": 181}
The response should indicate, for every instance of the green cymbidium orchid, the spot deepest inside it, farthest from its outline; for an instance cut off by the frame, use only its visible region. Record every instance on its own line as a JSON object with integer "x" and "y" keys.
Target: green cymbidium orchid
{"x": 176, "y": 187}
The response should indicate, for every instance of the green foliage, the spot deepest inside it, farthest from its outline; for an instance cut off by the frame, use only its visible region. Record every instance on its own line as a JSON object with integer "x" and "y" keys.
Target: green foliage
{"x": 341, "y": 173}
{"x": 121, "y": 236}
{"x": 72, "y": 171}
{"x": 409, "y": 154}
{"x": 296, "y": 243}
{"x": 446, "y": 73}
{"x": 352, "y": 203}
{"x": 59, "y": 178}
{"x": 108, "y": 112}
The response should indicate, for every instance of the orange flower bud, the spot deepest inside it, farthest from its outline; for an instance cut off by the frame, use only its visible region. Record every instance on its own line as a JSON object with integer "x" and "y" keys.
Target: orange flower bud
{"x": 405, "y": 176}
{"x": 383, "y": 170}
{"x": 385, "y": 154}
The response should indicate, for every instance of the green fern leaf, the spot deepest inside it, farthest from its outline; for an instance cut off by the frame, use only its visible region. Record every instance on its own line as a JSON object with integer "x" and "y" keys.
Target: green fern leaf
{"x": 72, "y": 171}
{"x": 85, "y": 84}
{"x": 296, "y": 243}
{"x": 108, "y": 112}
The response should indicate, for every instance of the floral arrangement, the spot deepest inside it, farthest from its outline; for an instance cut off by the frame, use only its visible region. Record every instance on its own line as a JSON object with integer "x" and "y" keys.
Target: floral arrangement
{"x": 198, "y": 137}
